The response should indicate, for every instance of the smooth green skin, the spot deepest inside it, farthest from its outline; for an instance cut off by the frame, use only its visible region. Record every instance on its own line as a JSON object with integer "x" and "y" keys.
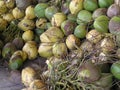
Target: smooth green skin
{"x": 90, "y": 5}
{"x": 72, "y": 17}
{"x": 16, "y": 64}
{"x": 101, "y": 24}
{"x": 80, "y": 31}
{"x": 40, "y": 10}
{"x": 50, "y": 11}
{"x": 84, "y": 16}
{"x": 115, "y": 69}
{"x": 105, "y": 3}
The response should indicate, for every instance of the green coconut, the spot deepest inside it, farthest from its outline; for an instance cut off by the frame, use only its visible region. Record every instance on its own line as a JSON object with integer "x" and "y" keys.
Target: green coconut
{"x": 105, "y": 3}
{"x": 114, "y": 25}
{"x": 115, "y": 69}
{"x": 50, "y": 11}
{"x": 40, "y": 10}
{"x": 101, "y": 24}
{"x": 15, "y": 62}
{"x": 80, "y": 31}
{"x": 90, "y": 5}
{"x": 72, "y": 17}
{"x": 84, "y": 16}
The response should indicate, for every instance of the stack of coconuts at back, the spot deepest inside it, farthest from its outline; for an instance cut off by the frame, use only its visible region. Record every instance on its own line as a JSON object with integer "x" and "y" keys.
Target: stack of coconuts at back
{"x": 78, "y": 39}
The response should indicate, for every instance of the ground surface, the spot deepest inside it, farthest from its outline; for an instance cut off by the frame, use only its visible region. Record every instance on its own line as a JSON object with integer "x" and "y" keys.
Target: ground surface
{"x": 11, "y": 80}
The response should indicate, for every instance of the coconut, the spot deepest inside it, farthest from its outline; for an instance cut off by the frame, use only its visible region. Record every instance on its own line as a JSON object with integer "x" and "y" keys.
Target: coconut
{"x": 114, "y": 25}
{"x": 53, "y": 34}
{"x": 8, "y": 17}
{"x": 107, "y": 45}
{"x": 38, "y": 85}
{"x": 20, "y": 53}
{"x": 89, "y": 72}
{"x": 101, "y": 24}
{"x": 15, "y": 62}
{"x": 90, "y": 5}
{"x": 3, "y": 24}
{"x": 40, "y": 10}
{"x": 80, "y": 31}
{"x": 75, "y": 6}
{"x": 98, "y": 12}
{"x": 57, "y": 19}
{"x": 29, "y": 12}
{"x": 30, "y": 73}
{"x": 113, "y": 10}
{"x": 115, "y": 69}
{"x": 72, "y": 42}
{"x": 8, "y": 50}
{"x": 105, "y": 3}
{"x": 10, "y": 4}
{"x": 23, "y": 4}
{"x": 30, "y": 48}
{"x": 94, "y": 36}
{"x": 45, "y": 50}
{"x": 68, "y": 27}
{"x": 41, "y": 23}
{"x": 26, "y": 24}
{"x": 50, "y": 11}
{"x": 3, "y": 7}
{"x": 87, "y": 46}
{"x": 18, "y": 42}
{"x": 59, "y": 50}
{"x": 28, "y": 35}
{"x": 84, "y": 16}
{"x": 72, "y": 17}
{"x": 17, "y": 13}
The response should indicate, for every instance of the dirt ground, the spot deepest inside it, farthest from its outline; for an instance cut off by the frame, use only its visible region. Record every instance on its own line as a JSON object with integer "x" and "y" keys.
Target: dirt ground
{"x": 11, "y": 80}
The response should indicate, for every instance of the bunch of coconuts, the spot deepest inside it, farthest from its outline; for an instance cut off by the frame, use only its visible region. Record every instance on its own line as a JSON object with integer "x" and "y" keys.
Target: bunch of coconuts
{"x": 70, "y": 33}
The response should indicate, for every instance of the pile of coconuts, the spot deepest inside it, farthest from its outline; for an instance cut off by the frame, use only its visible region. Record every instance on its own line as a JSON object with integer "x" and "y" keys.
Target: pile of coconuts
{"x": 78, "y": 39}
